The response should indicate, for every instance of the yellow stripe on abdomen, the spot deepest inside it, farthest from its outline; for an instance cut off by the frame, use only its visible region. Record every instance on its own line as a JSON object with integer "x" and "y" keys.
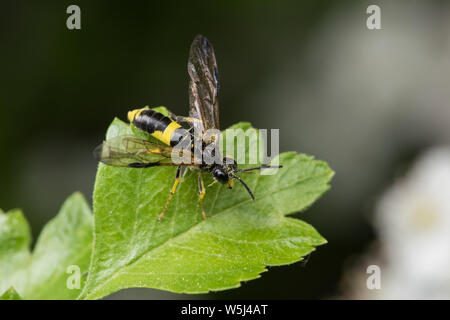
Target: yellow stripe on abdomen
{"x": 167, "y": 134}
{"x": 134, "y": 114}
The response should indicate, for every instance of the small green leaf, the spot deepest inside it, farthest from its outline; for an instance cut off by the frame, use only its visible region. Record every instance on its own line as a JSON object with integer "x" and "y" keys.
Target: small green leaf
{"x": 65, "y": 241}
{"x": 15, "y": 239}
{"x": 183, "y": 252}
{"x": 10, "y": 294}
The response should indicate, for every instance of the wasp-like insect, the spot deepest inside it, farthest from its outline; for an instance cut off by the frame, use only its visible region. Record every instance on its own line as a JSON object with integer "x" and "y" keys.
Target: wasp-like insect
{"x": 132, "y": 152}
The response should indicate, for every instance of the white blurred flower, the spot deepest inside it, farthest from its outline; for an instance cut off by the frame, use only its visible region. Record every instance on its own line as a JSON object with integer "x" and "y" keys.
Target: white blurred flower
{"x": 413, "y": 222}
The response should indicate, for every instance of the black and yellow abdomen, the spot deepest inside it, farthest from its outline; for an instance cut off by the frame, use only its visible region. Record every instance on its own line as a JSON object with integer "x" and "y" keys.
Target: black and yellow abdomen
{"x": 158, "y": 125}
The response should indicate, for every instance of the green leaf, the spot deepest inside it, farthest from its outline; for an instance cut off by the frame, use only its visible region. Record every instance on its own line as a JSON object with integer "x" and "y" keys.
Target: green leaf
{"x": 10, "y": 294}
{"x": 65, "y": 241}
{"x": 183, "y": 252}
{"x": 15, "y": 242}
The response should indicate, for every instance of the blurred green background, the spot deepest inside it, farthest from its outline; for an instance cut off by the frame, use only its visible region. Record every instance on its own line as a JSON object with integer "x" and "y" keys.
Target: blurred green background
{"x": 367, "y": 102}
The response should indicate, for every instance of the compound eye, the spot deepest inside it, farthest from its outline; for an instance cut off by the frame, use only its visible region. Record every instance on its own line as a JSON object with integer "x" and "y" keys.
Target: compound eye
{"x": 220, "y": 175}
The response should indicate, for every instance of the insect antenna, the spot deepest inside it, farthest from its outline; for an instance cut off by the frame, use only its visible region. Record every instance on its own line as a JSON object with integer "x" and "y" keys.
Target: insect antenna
{"x": 259, "y": 168}
{"x": 246, "y": 187}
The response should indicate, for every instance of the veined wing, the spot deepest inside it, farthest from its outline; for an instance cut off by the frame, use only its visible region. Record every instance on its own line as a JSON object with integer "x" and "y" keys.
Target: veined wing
{"x": 204, "y": 85}
{"x": 129, "y": 151}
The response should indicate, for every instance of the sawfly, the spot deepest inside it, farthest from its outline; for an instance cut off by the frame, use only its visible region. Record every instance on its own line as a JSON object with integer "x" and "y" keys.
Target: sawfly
{"x": 132, "y": 152}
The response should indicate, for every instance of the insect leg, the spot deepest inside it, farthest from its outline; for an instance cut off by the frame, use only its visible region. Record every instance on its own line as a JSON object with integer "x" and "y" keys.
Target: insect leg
{"x": 201, "y": 193}
{"x": 172, "y": 192}
{"x": 183, "y": 119}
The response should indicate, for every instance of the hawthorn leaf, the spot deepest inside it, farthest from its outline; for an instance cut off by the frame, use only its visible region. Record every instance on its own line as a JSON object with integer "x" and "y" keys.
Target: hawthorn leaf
{"x": 63, "y": 248}
{"x": 10, "y": 294}
{"x": 15, "y": 239}
{"x": 182, "y": 252}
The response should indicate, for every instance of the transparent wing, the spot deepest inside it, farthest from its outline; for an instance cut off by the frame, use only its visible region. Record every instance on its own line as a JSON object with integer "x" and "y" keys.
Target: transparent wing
{"x": 204, "y": 85}
{"x": 127, "y": 151}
